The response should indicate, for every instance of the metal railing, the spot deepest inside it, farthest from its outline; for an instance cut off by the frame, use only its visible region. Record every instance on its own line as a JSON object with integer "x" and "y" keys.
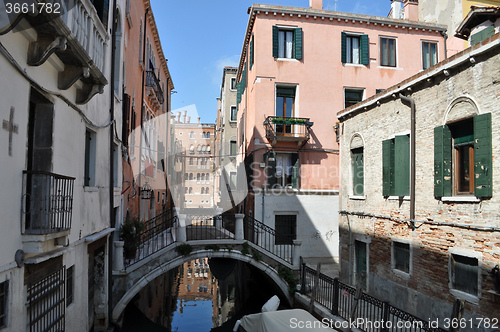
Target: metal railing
{"x": 47, "y": 202}
{"x": 210, "y": 228}
{"x": 339, "y": 298}
{"x": 153, "y": 82}
{"x": 287, "y": 128}
{"x": 265, "y": 237}
{"x": 156, "y": 236}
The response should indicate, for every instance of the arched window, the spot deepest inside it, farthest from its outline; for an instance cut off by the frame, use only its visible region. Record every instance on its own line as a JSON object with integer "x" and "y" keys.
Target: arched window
{"x": 191, "y": 149}
{"x": 202, "y": 190}
{"x": 208, "y": 176}
{"x": 186, "y": 190}
{"x": 206, "y": 190}
{"x": 202, "y": 176}
{"x": 190, "y": 161}
{"x": 208, "y": 135}
{"x": 190, "y": 176}
{"x": 198, "y": 177}
{"x": 186, "y": 176}
{"x": 199, "y": 148}
{"x": 190, "y": 190}
{"x": 203, "y": 135}
{"x": 191, "y": 135}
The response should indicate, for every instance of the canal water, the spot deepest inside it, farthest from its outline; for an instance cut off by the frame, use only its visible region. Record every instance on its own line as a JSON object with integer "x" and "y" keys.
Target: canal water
{"x": 201, "y": 295}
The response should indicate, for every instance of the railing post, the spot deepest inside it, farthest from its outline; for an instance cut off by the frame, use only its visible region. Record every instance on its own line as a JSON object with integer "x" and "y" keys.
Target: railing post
{"x": 335, "y": 302}
{"x": 181, "y": 226}
{"x": 238, "y": 228}
{"x": 118, "y": 259}
{"x": 385, "y": 315}
{"x": 296, "y": 254}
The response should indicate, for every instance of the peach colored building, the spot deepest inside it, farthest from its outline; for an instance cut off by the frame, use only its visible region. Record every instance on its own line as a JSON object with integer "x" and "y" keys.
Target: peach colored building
{"x": 298, "y": 68}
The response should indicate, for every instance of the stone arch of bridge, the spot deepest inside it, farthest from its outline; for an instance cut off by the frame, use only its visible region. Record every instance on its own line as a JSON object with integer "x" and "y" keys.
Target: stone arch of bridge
{"x": 160, "y": 270}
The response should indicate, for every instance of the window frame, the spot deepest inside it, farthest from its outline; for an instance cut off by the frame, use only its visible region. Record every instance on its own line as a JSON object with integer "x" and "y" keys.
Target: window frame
{"x": 423, "y": 44}
{"x": 366, "y": 241}
{"x": 231, "y": 119}
{"x": 285, "y": 129}
{"x": 4, "y": 297}
{"x": 354, "y": 153}
{"x": 381, "y": 60}
{"x": 296, "y": 49}
{"x": 392, "y": 172}
{"x": 70, "y": 285}
{"x": 89, "y": 173}
{"x": 285, "y": 218}
{"x": 350, "y": 89}
{"x": 458, "y": 293}
{"x": 394, "y": 263}
{"x": 232, "y": 86}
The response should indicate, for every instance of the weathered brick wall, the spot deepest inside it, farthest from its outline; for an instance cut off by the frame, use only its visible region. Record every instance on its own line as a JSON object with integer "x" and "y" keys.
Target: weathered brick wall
{"x": 430, "y": 243}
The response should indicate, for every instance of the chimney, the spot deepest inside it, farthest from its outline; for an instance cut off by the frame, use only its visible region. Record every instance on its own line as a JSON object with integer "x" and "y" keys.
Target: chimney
{"x": 396, "y": 11}
{"x": 188, "y": 119}
{"x": 178, "y": 117}
{"x": 316, "y": 4}
{"x": 184, "y": 116}
{"x": 411, "y": 10}
{"x": 199, "y": 120}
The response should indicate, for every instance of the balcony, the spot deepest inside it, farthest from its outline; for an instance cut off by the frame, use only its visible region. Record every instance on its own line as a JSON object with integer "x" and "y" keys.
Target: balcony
{"x": 287, "y": 129}
{"x": 153, "y": 84}
{"x": 78, "y": 37}
{"x": 47, "y": 203}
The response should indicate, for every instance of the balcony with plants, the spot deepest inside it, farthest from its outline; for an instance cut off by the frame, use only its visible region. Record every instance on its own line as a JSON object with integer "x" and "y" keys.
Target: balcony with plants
{"x": 280, "y": 128}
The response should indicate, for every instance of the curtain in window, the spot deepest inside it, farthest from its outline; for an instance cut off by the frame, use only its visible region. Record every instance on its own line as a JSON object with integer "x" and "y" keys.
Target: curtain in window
{"x": 281, "y": 44}
{"x": 392, "y": 52}
{"x": 289, "y": 44}
{"x": 355, "y": 50}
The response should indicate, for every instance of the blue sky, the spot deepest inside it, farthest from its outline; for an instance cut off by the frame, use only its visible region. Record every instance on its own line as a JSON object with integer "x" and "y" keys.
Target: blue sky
{"x": 200, "y": 37}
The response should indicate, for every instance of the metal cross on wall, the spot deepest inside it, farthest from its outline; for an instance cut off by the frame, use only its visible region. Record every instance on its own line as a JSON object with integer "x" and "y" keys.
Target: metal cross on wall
{"x": 10, "y": 127}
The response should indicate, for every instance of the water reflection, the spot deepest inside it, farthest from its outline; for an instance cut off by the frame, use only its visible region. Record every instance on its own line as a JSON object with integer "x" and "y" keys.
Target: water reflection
{"x": 201, "y": 295}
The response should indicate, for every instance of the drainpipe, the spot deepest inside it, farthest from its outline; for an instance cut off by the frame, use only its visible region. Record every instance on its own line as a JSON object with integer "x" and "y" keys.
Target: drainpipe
{"x": 111, "y": 163}
{"x": 411, "y": 103}
{"x": 445, "y": 36}
{"x": 142, "y": 105}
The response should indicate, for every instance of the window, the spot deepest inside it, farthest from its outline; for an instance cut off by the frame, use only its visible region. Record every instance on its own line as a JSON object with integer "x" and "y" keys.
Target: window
{"x": 464, "y": 274}
{"x": 352, "y": 97}
{"x": 70, "y": 285}
{"x": 401, "y": 256}
{"x": 232, "y": 148}
{"x": 115, "y": 165}
{"x": 191, "y": 135}
{"x": 286, "y": 229}
{"x": 203, "y": 135}
{"x": 482, "y": 35}
{"x": 191, "y": 161}
{"x": 206, "y": 190}
{"x": 233, "y": 83}
{"x": 208, "y": 135}
{"x": 190, "y": 190}
{"x": 232, "y": 180}
{"x": 354, "y": 49}
{"x": 466, "y": 146}
{"x": 285, "y": 107}
{"x": 4, "y": 291}
{"x": 190, "y": 176}
{"x": 357, "y": 172}
{"x": 429, "y": 54}
{"x": 388, "y": 52}
{"x": 396, "y": 175}
{"x": 361, "y": 261}
{"x": 198, "y": 177}
{"x": 102, "y": 9}
{"x": 89, "y": 166}
{"x": 234, "y": 114}
{"x": 251, "y": 53}
{"x": 202, "y": 191}
{"x": 287, "y": 42}
{"x": 283, "y": 170}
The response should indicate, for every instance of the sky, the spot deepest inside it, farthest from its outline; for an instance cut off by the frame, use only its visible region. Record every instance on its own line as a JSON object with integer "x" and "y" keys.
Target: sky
{"x": 200, "y": 37}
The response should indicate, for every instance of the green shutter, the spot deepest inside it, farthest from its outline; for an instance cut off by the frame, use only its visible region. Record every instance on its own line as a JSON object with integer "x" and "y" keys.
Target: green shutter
{"x": 297, "y": 43}
{"x": 488, "y": 32}
{"x": 365, "y": 50}
{"x": 402, "y": 165}
{"x": 475, "y": 38}
{"x": 388, "y": 167}
{"x": 343, "y": 47}
{"x": 275, "y": 41}
{"x": 358, "y": 172}
{"x": 482, "y": 156}
{"x": 251, "y": 53}
{"x": 295, "y": 171}
{"x": 271, "y": 170}
{"x": 442, "y": 161}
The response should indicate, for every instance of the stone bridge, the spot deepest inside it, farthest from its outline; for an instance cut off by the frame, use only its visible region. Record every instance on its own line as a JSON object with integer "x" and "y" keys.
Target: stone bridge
{"x": 170, "y": 242}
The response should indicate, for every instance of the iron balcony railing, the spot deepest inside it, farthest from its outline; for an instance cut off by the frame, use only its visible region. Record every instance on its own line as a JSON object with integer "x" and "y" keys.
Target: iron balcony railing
{"x": 287, "y": 128}
{"x": 47, "y": 202}
{"x": 340, "y": 299}
{"x": 268, "y": 239}
{"x": 153, "y": 82}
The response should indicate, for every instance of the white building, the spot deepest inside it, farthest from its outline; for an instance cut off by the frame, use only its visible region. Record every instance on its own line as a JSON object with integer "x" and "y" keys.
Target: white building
{"x": 61, "y": 193}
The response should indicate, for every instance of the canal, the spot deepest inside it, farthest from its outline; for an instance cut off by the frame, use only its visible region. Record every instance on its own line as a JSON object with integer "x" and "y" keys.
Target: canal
{"x": 201, "y": 295}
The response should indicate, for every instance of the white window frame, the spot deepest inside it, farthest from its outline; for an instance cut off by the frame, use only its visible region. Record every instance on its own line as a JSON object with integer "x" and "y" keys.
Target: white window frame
{"x": 393, "y": 257}
{"x": 458, "y": 293}
{"x": 422, "y": 52}
{"x": 380, "y": 53}
{"x": 296, "y": 110}
{"x": 363, "y": 90}
{"x": 231, "y": 84}
{"x": 231, "y": 114}
{"x": 285, "y": 28}
{"x": 358, "y": 36}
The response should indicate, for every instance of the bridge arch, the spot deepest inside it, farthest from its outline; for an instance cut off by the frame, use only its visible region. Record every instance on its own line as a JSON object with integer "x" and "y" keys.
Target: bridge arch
{"x": 160, "y": 270}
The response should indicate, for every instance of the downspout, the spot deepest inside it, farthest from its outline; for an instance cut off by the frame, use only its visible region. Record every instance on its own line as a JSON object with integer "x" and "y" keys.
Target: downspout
{"x": 142, "y": 106}
{"x": 111, "y": 163}
{"x": 411, "y": 103}
{"x": 445, "y": 36}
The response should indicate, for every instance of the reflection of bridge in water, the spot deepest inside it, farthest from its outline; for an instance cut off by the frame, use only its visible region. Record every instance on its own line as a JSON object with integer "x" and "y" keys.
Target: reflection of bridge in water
{"x": 172, "y": 239}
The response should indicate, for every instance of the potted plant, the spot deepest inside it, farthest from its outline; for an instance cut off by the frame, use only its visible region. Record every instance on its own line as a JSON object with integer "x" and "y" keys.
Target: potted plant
{"x": 129, "y": 234}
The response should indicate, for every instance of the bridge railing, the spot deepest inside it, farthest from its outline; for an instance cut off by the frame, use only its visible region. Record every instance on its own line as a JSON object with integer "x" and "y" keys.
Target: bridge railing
{"x": 269, "y": 239}
{"x": 210, "y": 227}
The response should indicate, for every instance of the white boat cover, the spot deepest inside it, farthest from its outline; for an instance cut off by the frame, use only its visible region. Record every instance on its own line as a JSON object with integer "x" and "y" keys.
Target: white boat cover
{"x": 283, "y": 320}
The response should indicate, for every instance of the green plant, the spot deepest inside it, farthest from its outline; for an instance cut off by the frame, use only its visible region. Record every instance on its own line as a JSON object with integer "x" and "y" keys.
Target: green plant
{"x": 229, "y": 248}
{"x": 184, "y": 249}
{"x": 256, "y": 255}
{"x": 129, "y": 233}
{"x": 245, "y": 250}
{"x": 213, "y": 247}
{"x": 287, "y": 275}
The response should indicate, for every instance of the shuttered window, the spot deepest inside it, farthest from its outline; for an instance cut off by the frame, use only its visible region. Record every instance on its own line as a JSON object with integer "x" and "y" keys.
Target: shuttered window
{"x": 396, "y": 166}
{"x": 482, "y": 35}
{"x": 354, "y": 49}
{"x": 287, "y": 43}
{"x": 251, "y": 53}
{"x": 463, "y": 158}
{"x": 102, "y": 9}
{"x": 283, "y": 170}
{"x": 464, "y": 274}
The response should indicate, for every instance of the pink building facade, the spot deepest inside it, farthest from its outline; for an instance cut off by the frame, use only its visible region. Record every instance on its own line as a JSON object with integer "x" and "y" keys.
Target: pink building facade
{"x": 298, "y": 68}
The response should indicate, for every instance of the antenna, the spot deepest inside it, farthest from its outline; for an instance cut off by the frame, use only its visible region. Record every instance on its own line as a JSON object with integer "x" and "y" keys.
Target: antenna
{"x": 335, "y": 5}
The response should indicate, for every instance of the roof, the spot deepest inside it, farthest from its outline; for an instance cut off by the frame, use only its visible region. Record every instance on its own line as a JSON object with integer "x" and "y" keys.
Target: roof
{"x": 443, "y": 67}
{"x": 327, "y": 15}
{"x": 476, "y": 16}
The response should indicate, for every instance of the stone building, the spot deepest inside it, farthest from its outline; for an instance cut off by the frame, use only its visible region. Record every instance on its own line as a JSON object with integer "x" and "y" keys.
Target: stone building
{"x": 420, "y": 189}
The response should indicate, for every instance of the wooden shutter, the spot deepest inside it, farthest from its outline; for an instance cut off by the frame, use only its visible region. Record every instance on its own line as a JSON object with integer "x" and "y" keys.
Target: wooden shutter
{"x": 251, "y": 53}
{"x": 365, "y": 50}
{"x": 271, "y": 170}
{"x": 402, "y": 165}
{"x": 482, "y": 156}
{"x": 275, "y": 41}
{"x": 125, "y": 118}
{"x": 343, "y": 47}
{"x": 442, "y": 161}
{"x": 295, "y": 171}
{"x": 297, "y": 43}
{"x": 357, "y": 172}
{"x": 388, "y": 167}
